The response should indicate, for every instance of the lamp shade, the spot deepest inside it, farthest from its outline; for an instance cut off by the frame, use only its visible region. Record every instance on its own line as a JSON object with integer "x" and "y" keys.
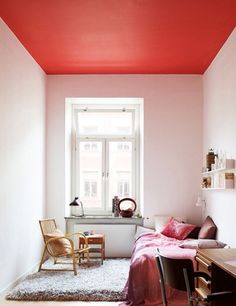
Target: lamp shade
{"x": 76, "y": 208}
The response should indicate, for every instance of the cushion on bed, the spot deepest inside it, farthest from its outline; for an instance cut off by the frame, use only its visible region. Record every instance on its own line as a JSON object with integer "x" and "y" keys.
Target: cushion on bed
{"x": 161, "y": 220}
{"x": 194, "y": 233}
{"x": 141, "y": 230}
{"x": 208, "y": 229}
{"x": 202, "y": 244}
{"x": 176, "y": 229}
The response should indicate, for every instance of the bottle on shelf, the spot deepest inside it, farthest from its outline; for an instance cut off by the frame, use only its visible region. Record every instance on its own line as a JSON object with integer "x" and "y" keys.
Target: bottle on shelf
{"x": 210, "y": 160}
{"x": 115, "y": 206}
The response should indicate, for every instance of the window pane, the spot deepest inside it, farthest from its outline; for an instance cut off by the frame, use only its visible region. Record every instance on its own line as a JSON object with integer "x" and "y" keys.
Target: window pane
{"x": 105, "y": 123}
{"x": 126, "y": 189}
{"x": 120, "y": 169}
{"x": 93, "y": 189}
{"x": 90, "y": 174}
{"x": 86, "y": 189}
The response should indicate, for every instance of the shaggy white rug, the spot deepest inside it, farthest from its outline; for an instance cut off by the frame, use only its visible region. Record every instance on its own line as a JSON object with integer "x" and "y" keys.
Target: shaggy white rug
{"x": 96, "y": 283}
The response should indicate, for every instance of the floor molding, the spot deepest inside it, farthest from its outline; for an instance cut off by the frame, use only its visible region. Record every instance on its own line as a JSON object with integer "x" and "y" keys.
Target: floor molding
{"x": 3, "y": 291}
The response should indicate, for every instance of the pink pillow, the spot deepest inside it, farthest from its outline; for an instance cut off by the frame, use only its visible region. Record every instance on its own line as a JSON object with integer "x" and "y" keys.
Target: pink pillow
{"x": 202, "y": 244}
{"x": 176, "y": 229}
{"x": 208, "y": 229}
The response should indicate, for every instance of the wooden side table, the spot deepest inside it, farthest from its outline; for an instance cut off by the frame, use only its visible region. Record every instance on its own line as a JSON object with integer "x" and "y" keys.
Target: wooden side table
{"x": 97, "y": 243}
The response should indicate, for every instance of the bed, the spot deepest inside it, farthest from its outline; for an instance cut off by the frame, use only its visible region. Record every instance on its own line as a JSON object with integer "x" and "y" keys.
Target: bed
{"x": 142, "y": 287}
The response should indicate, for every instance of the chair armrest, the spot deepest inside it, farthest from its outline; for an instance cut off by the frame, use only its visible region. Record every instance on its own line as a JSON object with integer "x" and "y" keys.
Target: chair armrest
{"x": 79, "y": 234}
{"x": 224, "y": 295}
{"x": 202, "y": 274}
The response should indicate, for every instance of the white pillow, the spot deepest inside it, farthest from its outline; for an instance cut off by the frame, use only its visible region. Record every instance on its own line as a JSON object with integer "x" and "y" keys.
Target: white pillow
{"x": 202, "y": 244}
{"x": 161, "y": 221}
{"x": 141, "y": 230}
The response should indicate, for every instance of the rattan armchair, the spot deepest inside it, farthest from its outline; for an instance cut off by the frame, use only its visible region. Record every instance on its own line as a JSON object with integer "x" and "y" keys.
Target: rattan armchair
{"x": 57, "y": 245}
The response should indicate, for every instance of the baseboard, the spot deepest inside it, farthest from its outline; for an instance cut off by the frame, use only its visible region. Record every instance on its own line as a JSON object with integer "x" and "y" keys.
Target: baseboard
{"x": 3, "y": 291}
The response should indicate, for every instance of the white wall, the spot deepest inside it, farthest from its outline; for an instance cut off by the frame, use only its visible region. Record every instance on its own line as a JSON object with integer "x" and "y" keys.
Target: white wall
{"x": 220, "y": 132}
{"x": 22, "y": 158}
{"x": 172, "y": 137}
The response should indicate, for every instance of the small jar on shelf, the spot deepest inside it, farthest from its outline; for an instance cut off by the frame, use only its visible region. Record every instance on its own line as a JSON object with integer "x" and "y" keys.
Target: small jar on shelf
{"x": 227, "y": 180}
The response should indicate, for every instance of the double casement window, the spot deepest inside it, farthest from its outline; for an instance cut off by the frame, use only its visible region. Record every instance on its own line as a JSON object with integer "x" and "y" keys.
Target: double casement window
{"x": 105, "y": 156}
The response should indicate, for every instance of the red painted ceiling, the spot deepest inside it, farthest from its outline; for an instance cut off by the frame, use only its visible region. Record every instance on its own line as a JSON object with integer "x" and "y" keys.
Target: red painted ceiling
{"x": 121, "y": 36}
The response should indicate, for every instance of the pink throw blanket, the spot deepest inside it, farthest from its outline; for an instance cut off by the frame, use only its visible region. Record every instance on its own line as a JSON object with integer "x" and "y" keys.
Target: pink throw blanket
{"x": 143, "y": 287}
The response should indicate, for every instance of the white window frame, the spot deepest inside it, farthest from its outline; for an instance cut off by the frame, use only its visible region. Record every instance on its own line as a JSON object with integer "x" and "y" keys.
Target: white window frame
{"x": 134, "y": 138}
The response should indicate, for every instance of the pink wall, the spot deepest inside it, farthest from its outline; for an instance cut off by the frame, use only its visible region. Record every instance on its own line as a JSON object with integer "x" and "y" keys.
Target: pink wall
{"x": 219, "y": 132}
{"x": 22, "y": 157}
{"x": 172, "y": 137}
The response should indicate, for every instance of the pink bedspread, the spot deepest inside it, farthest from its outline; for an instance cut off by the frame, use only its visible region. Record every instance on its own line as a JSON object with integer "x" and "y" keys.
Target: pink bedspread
{"x": 143, "y": 287}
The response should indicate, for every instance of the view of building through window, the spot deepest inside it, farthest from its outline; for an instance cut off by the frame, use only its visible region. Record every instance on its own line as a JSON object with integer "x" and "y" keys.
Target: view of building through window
{"x": 92, "y": 175}
{"x": 90, "y": 189}
{"x": 123, "y": 189}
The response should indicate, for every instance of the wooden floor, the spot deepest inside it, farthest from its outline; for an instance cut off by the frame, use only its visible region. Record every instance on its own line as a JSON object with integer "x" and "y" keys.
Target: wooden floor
{"x": 3, "y": 302}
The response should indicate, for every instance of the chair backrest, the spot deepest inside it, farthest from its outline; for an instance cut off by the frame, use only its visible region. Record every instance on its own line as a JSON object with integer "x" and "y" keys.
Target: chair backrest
{"x": 48, "y": 226}
{"x": 56, "y": 243}
{"x": 173, "y": 275}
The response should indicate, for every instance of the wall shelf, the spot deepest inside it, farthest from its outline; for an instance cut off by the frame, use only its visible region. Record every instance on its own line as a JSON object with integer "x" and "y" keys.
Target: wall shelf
{"x": 207, "y": 173}
{"x": 229, "y": 188}
{"x": 221, "y": 178}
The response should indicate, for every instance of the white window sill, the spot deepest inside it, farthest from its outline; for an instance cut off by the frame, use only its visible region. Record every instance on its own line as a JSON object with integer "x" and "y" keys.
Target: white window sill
{"x": 104, "y": 220}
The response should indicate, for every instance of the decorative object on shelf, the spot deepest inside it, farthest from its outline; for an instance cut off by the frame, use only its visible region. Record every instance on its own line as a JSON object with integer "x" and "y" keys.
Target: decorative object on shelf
{"x": 210, "y": 159}
{"x": 204, "y": 182}
{"x": 76, "y": 208}
{"x": 220, "y": 162}
{"x": 226, "y": 180}
{"x": 208, "y": 182}
{"x": 115, "y": 206}
{"x": 228, "y": 164}
{"x": 221, "y": 175}
{"x": 88, "y": 233}
{"x": 127, "y": 206}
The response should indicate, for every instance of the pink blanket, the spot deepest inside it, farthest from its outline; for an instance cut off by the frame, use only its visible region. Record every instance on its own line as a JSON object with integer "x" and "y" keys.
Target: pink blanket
{"x": 143, "y": 287}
